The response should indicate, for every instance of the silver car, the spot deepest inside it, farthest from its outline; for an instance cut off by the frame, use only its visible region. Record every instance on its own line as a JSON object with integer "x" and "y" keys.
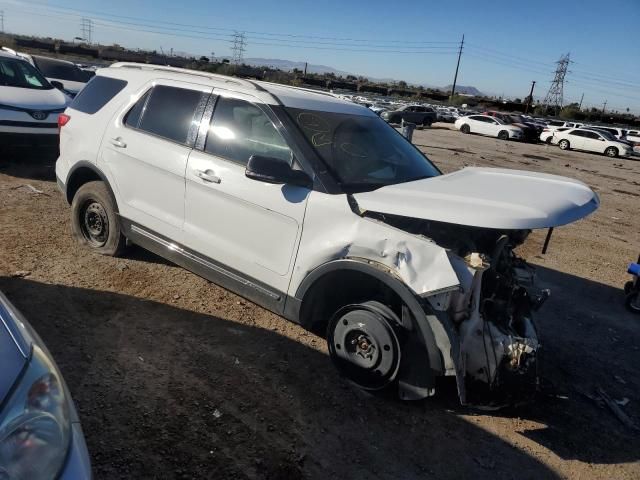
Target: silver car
{"x": 40, "y": 433}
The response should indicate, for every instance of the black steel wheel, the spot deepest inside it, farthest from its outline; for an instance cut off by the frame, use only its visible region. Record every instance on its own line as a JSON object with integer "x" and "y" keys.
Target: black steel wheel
{"x": 364, "y": 345}
{"x": 94, "y": 221}
{"x": 465, "y": 128}
{"x": 503, "y": 135}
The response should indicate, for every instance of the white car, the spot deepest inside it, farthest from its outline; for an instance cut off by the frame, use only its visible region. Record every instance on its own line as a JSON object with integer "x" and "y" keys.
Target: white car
{"x": 555, "y": 124}
{"x": 633, "y": 136}
{"x": 548, "y": 135}
{"x": 318, "y": 210}
{"x": 488, "y": 125}
{"x": 592, "y": 141}
{"x": 29, "y": 104}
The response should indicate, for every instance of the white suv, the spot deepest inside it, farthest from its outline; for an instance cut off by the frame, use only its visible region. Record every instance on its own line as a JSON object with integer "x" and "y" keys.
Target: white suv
{"x": 316, "y": 209}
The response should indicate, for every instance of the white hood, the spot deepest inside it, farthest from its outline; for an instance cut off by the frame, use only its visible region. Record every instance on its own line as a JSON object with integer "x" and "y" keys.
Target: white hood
{"x": 488, "y": 198}
{"x": 33, "y": 98}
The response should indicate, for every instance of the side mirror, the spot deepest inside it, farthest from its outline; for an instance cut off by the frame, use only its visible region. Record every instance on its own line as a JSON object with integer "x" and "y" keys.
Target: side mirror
{"x": 274, "y": 170}
{"x": 57, "y": 84}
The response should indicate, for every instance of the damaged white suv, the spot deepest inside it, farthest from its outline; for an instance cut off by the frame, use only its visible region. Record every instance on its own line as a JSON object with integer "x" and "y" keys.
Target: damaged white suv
{"x": 316, "y": 209}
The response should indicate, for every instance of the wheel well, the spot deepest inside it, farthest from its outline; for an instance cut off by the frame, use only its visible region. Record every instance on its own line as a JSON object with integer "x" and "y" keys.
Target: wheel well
{"x": 79, "y": 177}
{"x": 339, "y": 288}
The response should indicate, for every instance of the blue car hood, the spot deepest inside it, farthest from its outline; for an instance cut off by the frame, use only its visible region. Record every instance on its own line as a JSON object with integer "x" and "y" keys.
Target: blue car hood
{"x": 15, "y": 347}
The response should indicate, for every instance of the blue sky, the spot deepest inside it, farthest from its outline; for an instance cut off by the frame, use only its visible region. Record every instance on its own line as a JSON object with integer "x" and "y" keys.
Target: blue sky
{"x": 507, "y": 44}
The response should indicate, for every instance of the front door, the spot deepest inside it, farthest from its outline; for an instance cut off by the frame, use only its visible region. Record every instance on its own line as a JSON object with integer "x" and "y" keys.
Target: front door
{"x": 250, "y": 226}
{"x": 145, "y": 151}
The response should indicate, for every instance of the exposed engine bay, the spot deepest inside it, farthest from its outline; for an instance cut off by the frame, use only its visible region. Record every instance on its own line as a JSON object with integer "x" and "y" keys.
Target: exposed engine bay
{"x": 491, "y": 312}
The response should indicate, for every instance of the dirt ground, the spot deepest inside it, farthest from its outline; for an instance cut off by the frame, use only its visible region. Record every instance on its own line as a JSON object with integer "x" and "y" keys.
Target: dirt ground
{"x": 175, "y": 377}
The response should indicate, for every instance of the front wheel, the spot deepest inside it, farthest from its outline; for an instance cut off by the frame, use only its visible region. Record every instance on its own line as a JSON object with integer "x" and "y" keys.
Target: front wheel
{"x": 363, "y": 344}
{"x": 564, "y": 144}
{"x": 465, "y": 128}
{"x": 94, "y": 222}
{"x": 503, "y": 135}
{"x": 633, "y": 302}
{"x": 611, "y": 152}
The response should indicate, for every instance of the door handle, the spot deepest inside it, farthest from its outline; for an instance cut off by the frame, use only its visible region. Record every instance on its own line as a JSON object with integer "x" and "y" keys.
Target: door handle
{"x": 116, "y": 142}
{"x": 208, "y": 176}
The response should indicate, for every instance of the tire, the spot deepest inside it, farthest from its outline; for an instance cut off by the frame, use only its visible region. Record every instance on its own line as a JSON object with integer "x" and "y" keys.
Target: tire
{"x": 465, "y": 128}
{"x": 503, "y": 135}
{"x": 548, "y": 140}
{"x": 94, "y": 222}
{"x": 426, "y": 123}
{"x": 364, "y": 346}
{"x": 564, "y": 144}
{"x": 632, "y": 302}
{"x": 611, "y": 152}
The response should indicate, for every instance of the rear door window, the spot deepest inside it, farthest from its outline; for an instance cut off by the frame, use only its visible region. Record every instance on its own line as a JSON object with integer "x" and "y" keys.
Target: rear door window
{"x": 98, "y": 92}
{"x": 240, "y": 129}
{"x": 171, "y": 113}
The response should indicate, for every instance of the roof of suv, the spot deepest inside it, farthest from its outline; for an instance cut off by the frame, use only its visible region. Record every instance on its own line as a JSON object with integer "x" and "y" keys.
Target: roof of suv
{"x": 271, "y": 93}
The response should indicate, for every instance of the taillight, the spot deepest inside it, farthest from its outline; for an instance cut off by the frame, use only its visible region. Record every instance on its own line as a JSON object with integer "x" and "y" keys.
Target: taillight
{"x": 63, "y": 119}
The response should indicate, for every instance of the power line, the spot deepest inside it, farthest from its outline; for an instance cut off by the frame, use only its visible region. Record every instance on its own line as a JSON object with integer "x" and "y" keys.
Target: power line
{"x": 209, "y": 27}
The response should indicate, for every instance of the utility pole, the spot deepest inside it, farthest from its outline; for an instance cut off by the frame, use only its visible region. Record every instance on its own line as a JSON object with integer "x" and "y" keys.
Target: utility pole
{"x": 238, "y": 47}
{"x": 604, "y": 105}
{"x": 86, "y": 26}
{"x": 305, "y": 69}
{"x": 455, "y": 77}
{"x": 530, "y": 97}
{"x": 580, "y": 106}
{"x": 554, "y": 96}
{"x": 1, "y": 21}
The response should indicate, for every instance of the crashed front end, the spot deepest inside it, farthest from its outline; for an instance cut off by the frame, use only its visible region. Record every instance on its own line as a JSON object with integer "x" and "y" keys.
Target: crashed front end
{"x": 495, "y": 344}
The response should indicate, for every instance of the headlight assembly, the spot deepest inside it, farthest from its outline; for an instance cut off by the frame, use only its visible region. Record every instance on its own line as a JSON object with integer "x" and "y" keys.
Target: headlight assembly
{"x": 34, "y": 424}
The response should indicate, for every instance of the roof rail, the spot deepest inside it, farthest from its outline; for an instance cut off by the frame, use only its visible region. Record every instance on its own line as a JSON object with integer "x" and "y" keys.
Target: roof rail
{"x": 311, "y": 90}
{"x": 184, "y": 71}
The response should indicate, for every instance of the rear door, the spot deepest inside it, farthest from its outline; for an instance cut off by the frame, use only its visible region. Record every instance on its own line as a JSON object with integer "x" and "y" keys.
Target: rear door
{"x": 576, "y": 139}
{"x": 244, "y": 226}
{"x": 146, "y": 148}
{"x": 593, "y": 141}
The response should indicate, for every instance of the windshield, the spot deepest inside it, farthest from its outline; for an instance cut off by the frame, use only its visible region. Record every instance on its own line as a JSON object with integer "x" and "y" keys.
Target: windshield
{"x": 19, "y": 73}
{"x": 60, "y": 70}
{"x": 362, "y": 152}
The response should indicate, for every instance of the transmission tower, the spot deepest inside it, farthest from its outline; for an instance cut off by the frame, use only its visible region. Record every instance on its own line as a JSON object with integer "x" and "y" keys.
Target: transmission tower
{"x": 238, "y": 47}
{"x": 86, "y": 26}
{"x": 554, "y": 98}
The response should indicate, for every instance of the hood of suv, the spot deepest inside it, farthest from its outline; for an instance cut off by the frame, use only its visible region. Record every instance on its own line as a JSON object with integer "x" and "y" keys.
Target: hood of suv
{"x": 488, "y": 198}
{"x": 32, "y": 98}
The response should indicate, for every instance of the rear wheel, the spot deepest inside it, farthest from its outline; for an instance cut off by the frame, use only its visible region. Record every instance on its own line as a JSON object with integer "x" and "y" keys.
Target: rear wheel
{"x": 611, "y": 152}
{"x": 564, "y": 144}
{"x": 364, "y": 345}
{"x": 465, "y": 128}
{"x": 94, "y": 222}
{"x": 426, "y": 123}
{"x": 548, "y": 140}
{"x": 503, "y": 135}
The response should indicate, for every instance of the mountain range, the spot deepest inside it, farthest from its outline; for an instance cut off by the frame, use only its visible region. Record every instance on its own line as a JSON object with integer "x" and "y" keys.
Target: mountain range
{"x": 312, "y": 68}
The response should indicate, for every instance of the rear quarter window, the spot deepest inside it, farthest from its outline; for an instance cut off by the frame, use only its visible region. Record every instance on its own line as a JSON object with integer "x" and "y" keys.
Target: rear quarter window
{"x": 97, "y": 93}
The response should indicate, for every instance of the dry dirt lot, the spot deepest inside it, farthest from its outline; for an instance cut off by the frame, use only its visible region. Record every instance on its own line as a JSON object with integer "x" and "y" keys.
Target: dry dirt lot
{"x": 175, "y": 377}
